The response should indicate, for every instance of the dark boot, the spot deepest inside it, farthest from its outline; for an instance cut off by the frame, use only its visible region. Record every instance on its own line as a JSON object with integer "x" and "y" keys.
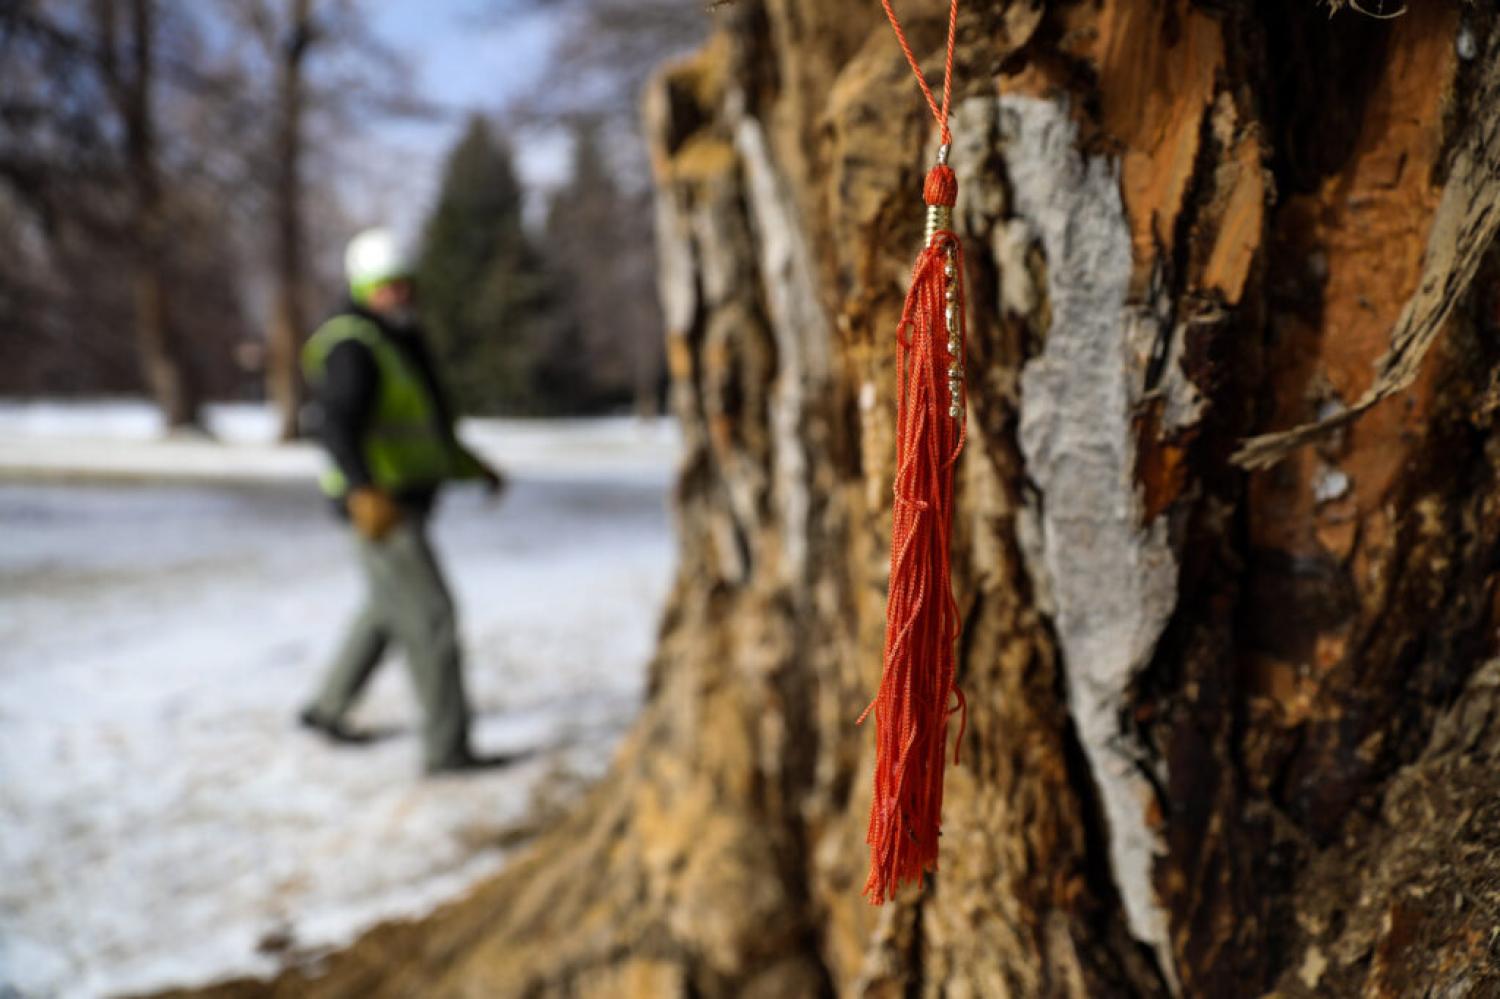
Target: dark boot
{"x": 470, "y": 762}
{"x": 333, "y": 729}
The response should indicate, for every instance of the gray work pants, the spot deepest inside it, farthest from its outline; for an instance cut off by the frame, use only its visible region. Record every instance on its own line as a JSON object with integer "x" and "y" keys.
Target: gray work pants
{"x": 407, "y": 601}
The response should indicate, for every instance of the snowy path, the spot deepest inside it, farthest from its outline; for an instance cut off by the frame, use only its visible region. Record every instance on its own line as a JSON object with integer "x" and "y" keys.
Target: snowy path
{"x": 163, "y": 823}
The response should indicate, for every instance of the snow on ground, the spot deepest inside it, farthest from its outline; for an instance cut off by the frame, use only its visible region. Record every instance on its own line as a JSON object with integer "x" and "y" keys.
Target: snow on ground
{"x": 163, "y": 821}
{"x": 123, "y": 440}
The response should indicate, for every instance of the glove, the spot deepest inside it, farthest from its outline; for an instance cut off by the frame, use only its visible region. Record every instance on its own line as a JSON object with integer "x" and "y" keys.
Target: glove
{"x": 373, "y": 512}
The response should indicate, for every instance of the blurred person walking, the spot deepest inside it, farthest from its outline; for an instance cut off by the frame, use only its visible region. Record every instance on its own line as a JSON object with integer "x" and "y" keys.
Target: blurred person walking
{"x": 388, "y": 427}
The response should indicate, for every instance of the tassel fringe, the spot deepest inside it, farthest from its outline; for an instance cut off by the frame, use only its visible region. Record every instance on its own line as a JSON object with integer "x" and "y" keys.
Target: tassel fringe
{"x": 917, "y": 687}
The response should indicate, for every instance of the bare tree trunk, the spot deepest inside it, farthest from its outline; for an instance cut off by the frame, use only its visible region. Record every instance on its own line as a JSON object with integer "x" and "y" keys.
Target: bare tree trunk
{"x": 1229, "y": 732}
{"x": 163, "y": 363}
{"x": 284, "y": 374}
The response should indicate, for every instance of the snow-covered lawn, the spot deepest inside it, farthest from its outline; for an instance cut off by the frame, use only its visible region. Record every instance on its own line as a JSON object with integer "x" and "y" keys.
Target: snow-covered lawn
{"x": 124, "y": 440}
{"x": 162, "y": 821}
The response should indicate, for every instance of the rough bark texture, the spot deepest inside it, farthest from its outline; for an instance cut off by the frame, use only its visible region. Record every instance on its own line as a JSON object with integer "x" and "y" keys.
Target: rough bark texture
{"x": 1230, "y": 732}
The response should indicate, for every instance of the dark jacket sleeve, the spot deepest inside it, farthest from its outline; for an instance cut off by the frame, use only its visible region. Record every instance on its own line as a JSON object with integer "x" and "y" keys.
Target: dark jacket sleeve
{"x": 349, "y": 386}
{"x": 421, "y": 355}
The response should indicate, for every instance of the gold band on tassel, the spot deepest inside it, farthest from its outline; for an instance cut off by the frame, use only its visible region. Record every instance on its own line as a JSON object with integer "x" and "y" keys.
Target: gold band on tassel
{"x": 939, "y": 218}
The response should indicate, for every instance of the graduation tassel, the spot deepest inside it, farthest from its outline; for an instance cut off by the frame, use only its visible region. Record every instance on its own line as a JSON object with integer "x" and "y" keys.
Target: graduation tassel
{"x": 917, "y": 693}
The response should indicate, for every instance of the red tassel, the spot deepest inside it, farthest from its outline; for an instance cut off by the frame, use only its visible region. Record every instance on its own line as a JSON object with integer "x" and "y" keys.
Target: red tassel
{"x": 916, "y": 687}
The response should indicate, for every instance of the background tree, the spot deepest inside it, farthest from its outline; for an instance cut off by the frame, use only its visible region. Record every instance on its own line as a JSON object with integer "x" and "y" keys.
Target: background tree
{"x": 487, "y": 299}
{"x": 127, "y": 61}
{"x": 256, "y": 109}
{"x": 597, "y": 245}
{"x": 600, "y": 223}
{"x": 606, "y": 52}
{"x": 283, "y": 371}
{"x": 115, "y": 219}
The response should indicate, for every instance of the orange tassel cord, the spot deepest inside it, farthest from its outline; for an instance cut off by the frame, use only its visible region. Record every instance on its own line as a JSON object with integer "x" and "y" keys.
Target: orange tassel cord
{"x": 917, "y": 685}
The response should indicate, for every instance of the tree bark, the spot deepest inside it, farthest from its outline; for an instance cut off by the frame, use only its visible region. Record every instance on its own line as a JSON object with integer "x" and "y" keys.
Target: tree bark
{"x": 1230, "y": 732}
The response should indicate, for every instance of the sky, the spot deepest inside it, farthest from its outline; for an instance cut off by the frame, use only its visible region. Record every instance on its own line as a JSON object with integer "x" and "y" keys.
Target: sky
{"x": 464, "y": 56}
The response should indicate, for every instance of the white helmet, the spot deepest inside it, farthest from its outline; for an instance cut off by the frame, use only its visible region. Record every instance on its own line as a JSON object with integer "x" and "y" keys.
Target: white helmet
{"x": 374, "y": 257}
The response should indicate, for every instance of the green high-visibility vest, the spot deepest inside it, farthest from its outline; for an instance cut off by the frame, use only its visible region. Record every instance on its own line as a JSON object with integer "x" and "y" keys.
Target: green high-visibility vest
{"x": 405, "y": 445}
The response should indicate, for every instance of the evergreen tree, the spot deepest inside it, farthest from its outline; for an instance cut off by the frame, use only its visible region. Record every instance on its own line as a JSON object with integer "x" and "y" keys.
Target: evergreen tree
{"x": 598, "y": 240}
{"x": 488, "y": 302}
